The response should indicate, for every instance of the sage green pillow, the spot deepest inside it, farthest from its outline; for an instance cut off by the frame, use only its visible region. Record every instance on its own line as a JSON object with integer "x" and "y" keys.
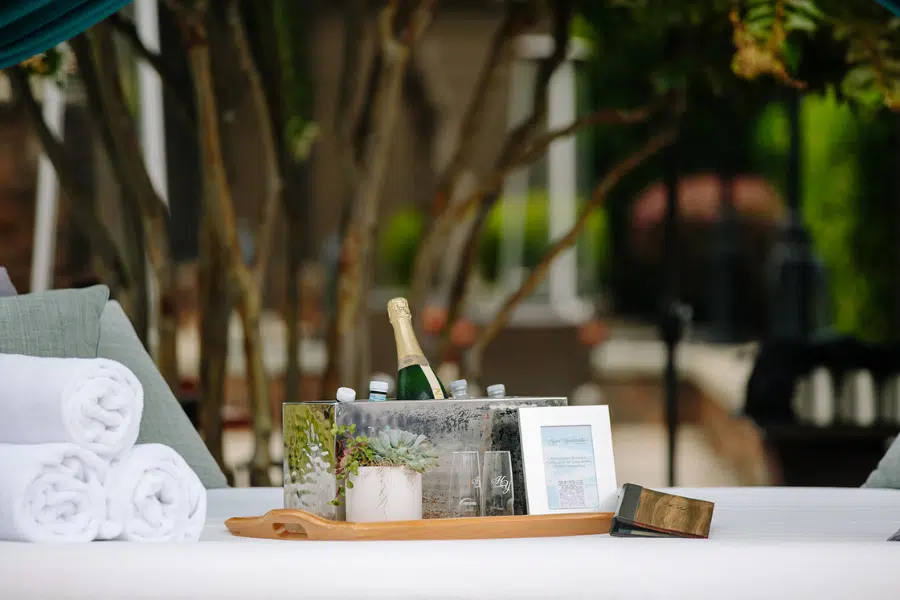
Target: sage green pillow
{"x": 57, "y": 323}
{"x": 887, "y": 473}
{"x": 164, "y": 420}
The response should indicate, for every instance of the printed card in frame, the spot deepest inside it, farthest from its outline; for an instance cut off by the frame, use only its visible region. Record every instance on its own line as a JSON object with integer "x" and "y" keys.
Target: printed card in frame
{"x": 567, "y": 454}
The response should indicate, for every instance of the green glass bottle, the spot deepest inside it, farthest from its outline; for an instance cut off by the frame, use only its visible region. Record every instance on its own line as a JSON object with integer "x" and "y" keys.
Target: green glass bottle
{"x": 416, "y": 379}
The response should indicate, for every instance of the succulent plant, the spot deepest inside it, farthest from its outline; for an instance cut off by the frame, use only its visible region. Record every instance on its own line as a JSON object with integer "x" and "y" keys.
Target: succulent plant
{"x": 390, "y": 448}
{"x": 399, "y": 448}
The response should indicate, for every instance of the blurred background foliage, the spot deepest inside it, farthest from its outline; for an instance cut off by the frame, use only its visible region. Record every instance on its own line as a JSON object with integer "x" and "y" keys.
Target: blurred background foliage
{"x": 842, "y": 55}
{"x": 732, "y": 125}
{"x": 593, "y": 245}
{"x": 401, "y": 234}
{"x": 849, "y": 194}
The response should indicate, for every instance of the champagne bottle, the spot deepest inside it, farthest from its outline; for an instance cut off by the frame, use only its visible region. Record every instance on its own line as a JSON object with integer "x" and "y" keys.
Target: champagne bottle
{"x": 415, "y": 378}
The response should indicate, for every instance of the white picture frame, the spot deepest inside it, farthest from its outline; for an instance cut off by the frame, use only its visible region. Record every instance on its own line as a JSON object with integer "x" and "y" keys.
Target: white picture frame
{"x": 571, "y": 442}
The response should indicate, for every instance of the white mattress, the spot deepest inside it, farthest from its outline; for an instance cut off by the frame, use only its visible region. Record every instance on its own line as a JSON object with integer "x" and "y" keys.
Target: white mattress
{"x": 764, "y": 543}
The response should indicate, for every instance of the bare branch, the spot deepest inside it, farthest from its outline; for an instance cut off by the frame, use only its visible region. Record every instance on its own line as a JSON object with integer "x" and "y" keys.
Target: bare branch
{"x": 127, "y": 29}
{"x": 355, "y": 267}
{"x": 133, "y": 252}
{"x": 222, "y": 231}
{"x": 182, "y": 10}
{"x": 516, "y": 21}
{"x": 83, "y": 212}
{"x": 489, "y": 192}
{"x": 348, "y": 81}
{"x": 605, "y": 116}
{"x": 127, "y": 144}
{"x": 537, "y": 275}
{"x": 95, "y": 52}
{"x": 563, "y": 12}
{"x": 274, "y": 184}
{"x": 518, "y": 18}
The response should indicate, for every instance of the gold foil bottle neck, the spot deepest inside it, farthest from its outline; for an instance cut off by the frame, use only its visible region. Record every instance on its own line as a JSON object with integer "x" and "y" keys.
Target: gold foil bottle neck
{"x": 398, "y": 308}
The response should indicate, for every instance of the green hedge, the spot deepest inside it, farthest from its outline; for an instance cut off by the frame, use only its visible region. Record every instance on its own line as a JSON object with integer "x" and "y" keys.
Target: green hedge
{"x": 847, "y": 234}
{"x": 400, "y": 237}
{"x": 593, "y": 243}
{"x": 398, "y": 243}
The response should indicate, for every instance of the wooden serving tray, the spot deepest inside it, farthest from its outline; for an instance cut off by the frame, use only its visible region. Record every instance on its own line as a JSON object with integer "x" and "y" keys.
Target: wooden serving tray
{"x": 291, "y": 524}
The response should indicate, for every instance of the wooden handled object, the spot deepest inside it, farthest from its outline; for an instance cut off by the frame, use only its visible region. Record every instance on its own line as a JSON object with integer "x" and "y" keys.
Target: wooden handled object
{"x": 291, "y": 524}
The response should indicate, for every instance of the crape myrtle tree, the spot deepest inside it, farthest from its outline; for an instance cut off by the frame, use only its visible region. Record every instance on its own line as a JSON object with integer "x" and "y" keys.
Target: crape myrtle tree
{"x": 664, "y": 52}
{"x": 267, "y": 41}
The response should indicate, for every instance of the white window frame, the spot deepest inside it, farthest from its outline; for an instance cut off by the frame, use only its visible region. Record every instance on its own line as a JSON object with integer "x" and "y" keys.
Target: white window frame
{"x": 564, "y": 302}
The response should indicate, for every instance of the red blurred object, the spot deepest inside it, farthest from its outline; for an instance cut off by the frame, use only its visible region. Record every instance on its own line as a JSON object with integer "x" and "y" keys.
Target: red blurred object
{"x": 463, "y": 333}
{"x": 433, "y": 319}
{"x": 700, "y": 197}
{"x": 187, "y": 387}
{"x": 593, "y": 333}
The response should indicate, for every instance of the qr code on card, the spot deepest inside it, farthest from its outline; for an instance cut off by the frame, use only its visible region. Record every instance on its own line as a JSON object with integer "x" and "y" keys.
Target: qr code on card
{"x": 571, "y": 493}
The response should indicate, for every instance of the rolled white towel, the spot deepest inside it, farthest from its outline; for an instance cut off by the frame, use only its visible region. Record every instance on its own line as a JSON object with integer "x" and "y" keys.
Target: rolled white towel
{"x": 154, "y": 496}
{"x": 51, "y": 493}
{"x": 95, "y": 403}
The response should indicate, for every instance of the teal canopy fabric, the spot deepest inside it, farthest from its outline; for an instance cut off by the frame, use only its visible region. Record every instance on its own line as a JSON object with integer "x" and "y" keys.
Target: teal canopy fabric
{"x": 891, "y": 5}
{"x": 30, "y": 27}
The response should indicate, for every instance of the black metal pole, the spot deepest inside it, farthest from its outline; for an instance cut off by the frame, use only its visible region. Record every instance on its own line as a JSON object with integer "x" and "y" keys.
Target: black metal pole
{"x": 798, "y": 232}
{"x": 794, "y": 265}
{"x": 793, "y": 166}
{"x": 671, "y": 322}
{"x": 727, "y": 253}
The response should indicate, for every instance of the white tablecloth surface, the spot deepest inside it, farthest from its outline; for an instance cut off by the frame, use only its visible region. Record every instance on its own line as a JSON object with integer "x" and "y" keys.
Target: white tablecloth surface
{"x": 764, "y": 543}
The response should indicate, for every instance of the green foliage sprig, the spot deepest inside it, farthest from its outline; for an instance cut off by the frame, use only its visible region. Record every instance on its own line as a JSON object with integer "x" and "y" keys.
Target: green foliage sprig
{"x": 390, "y": 448}
{"x": 853, "y": 46}
{"x": 57, "y": 63}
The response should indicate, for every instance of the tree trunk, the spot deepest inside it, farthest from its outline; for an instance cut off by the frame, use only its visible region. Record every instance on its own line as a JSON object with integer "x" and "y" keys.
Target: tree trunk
{"x": 214, "y": 319}
{"x": 136, "y": 301}
{"x": 331, "y": 379}
{"x": 464, "y": 268}
{"x": 358, "y": 262}
{"x": 251, "y": 282}
{"x": 278, "y": 37}
{"x": 139, "y": 297}
{"x": 258, "y": 385}
{"x": 96, "y": 56}
{"x": 113, "y": 271}
{"x": 295, "y": 255}
{"x": 219, "y": 209}
{"x": 345, "y": 125}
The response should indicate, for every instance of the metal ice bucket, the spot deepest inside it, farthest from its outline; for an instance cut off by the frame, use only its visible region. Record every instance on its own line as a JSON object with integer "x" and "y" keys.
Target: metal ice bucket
{"x": 451, "y": 425}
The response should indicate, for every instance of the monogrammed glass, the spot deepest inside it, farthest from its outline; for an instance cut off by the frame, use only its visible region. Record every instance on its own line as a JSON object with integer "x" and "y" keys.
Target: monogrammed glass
{"x": 465, "y": 485}
{"x": 497, "y": 484}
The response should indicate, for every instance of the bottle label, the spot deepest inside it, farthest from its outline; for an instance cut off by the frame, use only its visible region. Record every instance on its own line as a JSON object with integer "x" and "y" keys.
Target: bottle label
{"x": 433, "y": 382}
{"x": 410, "y": 360}
{"x": 377, "y": 397}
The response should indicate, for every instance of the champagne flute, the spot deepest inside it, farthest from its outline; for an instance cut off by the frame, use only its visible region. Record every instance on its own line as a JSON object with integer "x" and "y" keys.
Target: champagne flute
{"x": 465, "y": 485}
{"x": 497, "y": 485}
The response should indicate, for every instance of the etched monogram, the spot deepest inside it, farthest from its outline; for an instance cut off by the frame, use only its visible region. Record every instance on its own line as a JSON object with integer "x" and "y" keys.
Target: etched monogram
{"x": 501, "y": 482}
